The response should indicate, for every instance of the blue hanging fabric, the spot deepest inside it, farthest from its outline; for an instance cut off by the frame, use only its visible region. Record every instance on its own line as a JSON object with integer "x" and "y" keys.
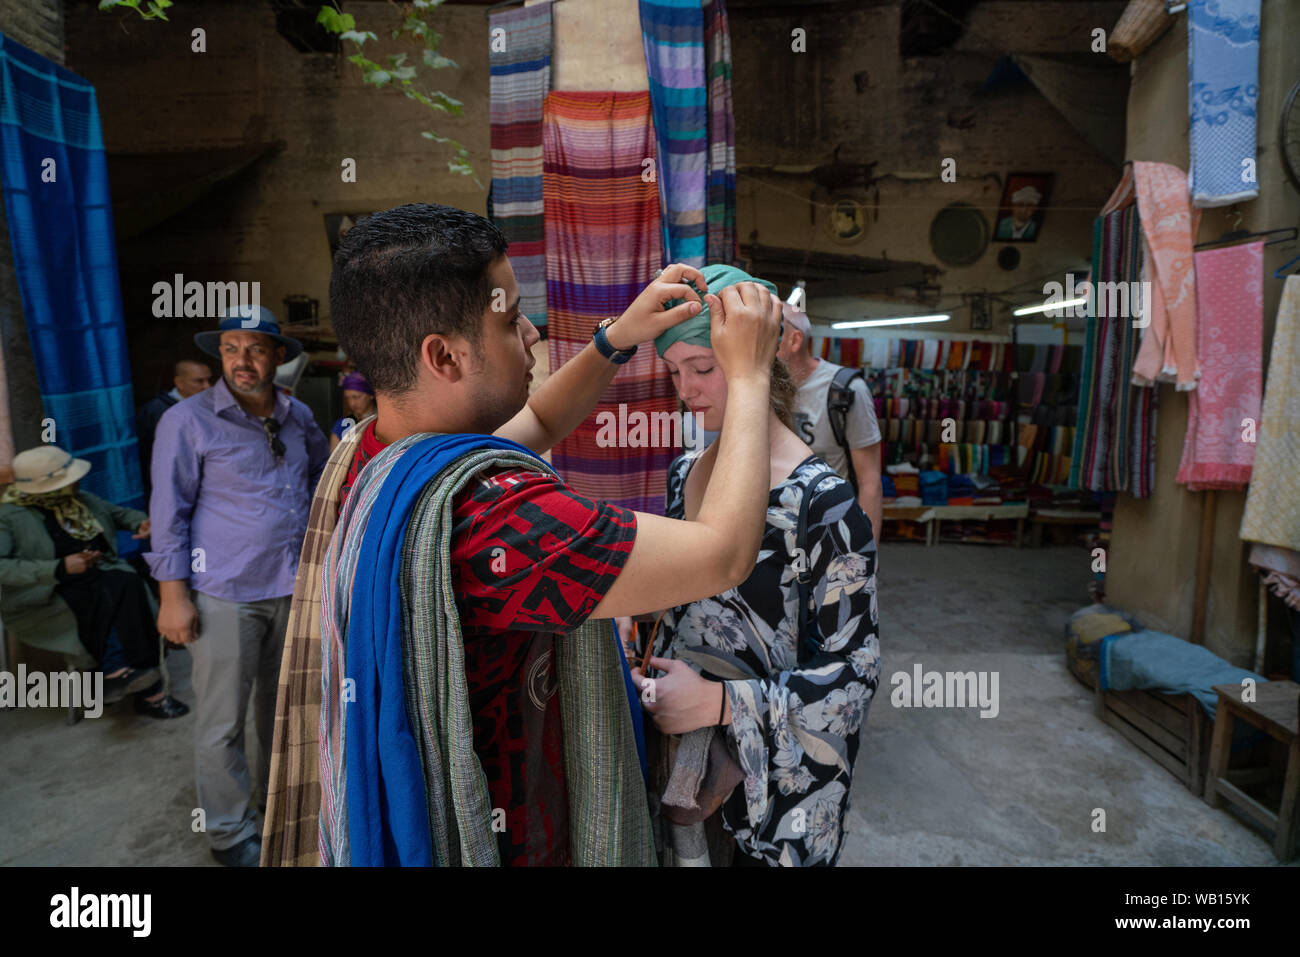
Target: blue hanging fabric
{"x": 56, "y": 199}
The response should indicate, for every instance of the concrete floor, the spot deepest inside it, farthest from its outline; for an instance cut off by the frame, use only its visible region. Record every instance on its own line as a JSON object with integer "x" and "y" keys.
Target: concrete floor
{"x": 933, "y": 786}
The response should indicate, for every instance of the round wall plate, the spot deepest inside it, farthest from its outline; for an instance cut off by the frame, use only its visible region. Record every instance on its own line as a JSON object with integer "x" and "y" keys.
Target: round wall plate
{"x": 959, "y": 234}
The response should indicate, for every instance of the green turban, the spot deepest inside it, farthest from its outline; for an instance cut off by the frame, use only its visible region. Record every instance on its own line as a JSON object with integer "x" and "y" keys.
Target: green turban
{"x": 695, "y": 330}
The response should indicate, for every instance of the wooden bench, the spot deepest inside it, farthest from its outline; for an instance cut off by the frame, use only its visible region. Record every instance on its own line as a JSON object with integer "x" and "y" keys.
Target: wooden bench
{"x": 1058, "y": 516}
{"x": 1273, "y": 711}
{"x": 1172, "y": 729}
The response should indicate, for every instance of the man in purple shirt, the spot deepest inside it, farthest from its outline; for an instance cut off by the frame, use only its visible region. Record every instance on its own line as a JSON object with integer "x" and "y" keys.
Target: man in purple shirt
{"x": 234, "y": 469}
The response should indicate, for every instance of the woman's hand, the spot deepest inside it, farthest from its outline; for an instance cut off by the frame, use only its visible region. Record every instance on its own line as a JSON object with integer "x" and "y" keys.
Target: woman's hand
{"x": 79, "y": 563}
{"x": 143, "y": 530}
{"x": 646, "y": 318}
{"x": 679, "y": 699}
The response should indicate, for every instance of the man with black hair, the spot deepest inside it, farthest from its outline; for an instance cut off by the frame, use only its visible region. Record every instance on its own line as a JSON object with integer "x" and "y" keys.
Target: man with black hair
{"x": 492, "y": 728}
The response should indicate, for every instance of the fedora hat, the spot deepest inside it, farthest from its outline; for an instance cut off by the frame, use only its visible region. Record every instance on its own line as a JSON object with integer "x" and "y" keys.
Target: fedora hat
{"x": 247, "y": 318}
{"x": 46, "y": 468}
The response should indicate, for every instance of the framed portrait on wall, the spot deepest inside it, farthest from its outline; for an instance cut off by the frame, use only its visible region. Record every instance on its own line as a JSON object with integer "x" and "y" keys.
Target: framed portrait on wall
{"x": 1021, "y": 211}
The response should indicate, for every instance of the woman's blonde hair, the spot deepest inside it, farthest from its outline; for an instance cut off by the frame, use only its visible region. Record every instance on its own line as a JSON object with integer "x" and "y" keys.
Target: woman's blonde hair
{"x": 782, "y": 395}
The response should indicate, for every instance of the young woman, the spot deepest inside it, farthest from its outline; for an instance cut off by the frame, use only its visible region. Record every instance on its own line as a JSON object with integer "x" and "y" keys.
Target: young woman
{"x": 792, "y": 716}
{"x": 358, "y": 400}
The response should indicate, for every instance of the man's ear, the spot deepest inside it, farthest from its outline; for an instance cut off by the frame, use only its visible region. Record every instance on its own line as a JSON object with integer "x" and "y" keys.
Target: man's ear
{"x": 444, "y": 356}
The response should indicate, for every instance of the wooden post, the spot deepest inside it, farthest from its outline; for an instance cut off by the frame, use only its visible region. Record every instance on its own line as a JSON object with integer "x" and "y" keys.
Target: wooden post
{"x": 1204, "y": 562}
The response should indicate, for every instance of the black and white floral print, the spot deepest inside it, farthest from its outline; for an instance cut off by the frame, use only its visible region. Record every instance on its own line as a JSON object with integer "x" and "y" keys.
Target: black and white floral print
{"x": 795, "y": 727}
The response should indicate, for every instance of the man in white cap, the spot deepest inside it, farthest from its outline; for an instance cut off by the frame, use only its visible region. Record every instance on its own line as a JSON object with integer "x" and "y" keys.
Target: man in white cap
{"x": 834, "y": 414}
{"x": 234, "y": 468}
{"x": 1021, "y": 224}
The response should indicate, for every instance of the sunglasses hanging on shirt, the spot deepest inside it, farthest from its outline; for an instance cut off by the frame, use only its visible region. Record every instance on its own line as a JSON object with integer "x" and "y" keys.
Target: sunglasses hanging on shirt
{"x": 272, "y": 428}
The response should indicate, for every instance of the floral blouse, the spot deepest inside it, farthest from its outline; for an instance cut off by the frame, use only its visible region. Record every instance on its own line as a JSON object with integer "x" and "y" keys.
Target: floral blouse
{"x": 795, "y": 728}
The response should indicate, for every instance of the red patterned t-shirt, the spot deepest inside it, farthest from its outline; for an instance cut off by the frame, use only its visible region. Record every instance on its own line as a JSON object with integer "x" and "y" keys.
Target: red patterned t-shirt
{"x": 530, "y": 560}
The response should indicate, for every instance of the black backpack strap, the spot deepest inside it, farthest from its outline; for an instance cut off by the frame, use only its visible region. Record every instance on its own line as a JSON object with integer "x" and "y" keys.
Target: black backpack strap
{"x": 809, "y": 634}
{"x": 839, "y": 399}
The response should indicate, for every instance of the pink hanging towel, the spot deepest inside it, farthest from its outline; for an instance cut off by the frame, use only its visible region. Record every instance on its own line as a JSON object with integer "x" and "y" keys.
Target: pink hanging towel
{"x": 1223, "y": 410}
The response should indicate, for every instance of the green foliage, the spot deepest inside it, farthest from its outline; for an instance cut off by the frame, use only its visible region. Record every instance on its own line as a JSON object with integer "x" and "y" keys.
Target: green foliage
{"x": 397, "y": 73}
{"x": 152, "y": 10}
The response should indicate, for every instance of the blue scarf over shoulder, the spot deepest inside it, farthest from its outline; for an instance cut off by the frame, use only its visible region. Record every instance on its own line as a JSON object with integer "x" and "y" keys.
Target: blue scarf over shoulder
{"x": 387, "y": 814}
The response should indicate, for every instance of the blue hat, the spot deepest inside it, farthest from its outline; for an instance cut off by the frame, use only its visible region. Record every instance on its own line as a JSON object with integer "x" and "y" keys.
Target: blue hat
{"x": 245, "y": 318}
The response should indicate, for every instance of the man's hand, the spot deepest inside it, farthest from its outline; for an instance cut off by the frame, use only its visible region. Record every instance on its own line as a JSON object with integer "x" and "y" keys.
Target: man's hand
{"x": 81, "y": 562}
{"x": 143, "y": 530}
{"x": 745, "y": 331}
{"x": 679, "y": 699}
{"x": 646, "y": 318}
{"x": 178, "y": 620}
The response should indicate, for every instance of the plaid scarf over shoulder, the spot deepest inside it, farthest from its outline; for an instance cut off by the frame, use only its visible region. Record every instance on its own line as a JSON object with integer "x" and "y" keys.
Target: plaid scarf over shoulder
{"x": 290, "y": 838}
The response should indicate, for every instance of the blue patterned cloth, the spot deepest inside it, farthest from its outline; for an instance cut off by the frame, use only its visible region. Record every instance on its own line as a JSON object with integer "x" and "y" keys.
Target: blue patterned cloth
{"x": 1223, "y": 91}
{"x": 673, "y": 36}
{"x": 61, "y": 225}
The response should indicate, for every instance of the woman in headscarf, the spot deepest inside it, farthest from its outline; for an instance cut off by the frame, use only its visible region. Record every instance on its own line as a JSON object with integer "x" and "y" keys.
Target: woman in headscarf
{"x": 60, "y": 576}
{"x": 359, "y": 401}
{"x": 794, "y": 694}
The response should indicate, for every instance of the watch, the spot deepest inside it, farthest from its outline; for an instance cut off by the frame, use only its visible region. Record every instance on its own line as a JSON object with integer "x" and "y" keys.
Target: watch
{"x": 603, "y": 346}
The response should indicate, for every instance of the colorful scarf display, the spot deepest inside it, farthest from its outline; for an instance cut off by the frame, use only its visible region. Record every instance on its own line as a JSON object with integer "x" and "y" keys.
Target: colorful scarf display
{"x": 721, "y": 240}
{"x": 672, "y": 33}
{"x": 397, "y": 793}
{"x": 519, "y": 65}
{"x": 1114, "y": 441}
{"x": 1222, "y": 96}
{"x": 1223, "y": 411}
{"x": 72, "y": 514}
{"x": 1272, "y": 513}
{"x": 602, "y": 248}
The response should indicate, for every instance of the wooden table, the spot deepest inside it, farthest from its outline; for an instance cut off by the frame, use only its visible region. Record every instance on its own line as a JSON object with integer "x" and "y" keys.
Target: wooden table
{"x": 1274, "y": 711}
{"x": 1059, "y": 516}
{"x": 978, "y": 513}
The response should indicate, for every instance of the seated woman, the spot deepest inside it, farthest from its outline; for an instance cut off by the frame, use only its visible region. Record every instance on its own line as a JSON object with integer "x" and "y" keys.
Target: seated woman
{"x": 60, "y": 575}
{"x": 794, "y": 696}
{"x": 359, "y": 401}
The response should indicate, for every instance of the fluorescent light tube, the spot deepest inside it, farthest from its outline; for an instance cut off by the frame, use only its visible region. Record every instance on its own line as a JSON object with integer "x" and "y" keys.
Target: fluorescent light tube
{"x": 1045, "y": 307}
{"x": 896, "y": 321}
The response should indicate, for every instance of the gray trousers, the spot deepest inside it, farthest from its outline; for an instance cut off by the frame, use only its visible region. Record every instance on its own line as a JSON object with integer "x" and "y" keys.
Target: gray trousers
{"x": 239, "y": 644}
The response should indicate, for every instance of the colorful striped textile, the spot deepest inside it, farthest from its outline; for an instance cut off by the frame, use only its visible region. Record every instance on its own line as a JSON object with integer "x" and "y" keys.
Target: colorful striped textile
{"x": 672, "y": 33}
{"x": 65, "y": 255}
{"x": 519, "y": 64}
{"x": 602, "y": 248}
{"x": 1230, "y": 343}
{"x": 1114, "y": 441}
{"x": 721, "y": 213}
{"x": 1223, "y": 97}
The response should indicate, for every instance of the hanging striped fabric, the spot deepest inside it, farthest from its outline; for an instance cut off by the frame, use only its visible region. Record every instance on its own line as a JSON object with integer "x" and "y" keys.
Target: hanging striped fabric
{"x": 519, "y": 64}
{"x": 672, "y": 33}
{"x": 602, "y": 248}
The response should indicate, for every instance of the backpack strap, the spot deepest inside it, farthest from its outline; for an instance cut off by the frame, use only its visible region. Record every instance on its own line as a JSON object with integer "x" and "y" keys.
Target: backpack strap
{"x": 839, "y": 400}
{"x": 809, "y": 635}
